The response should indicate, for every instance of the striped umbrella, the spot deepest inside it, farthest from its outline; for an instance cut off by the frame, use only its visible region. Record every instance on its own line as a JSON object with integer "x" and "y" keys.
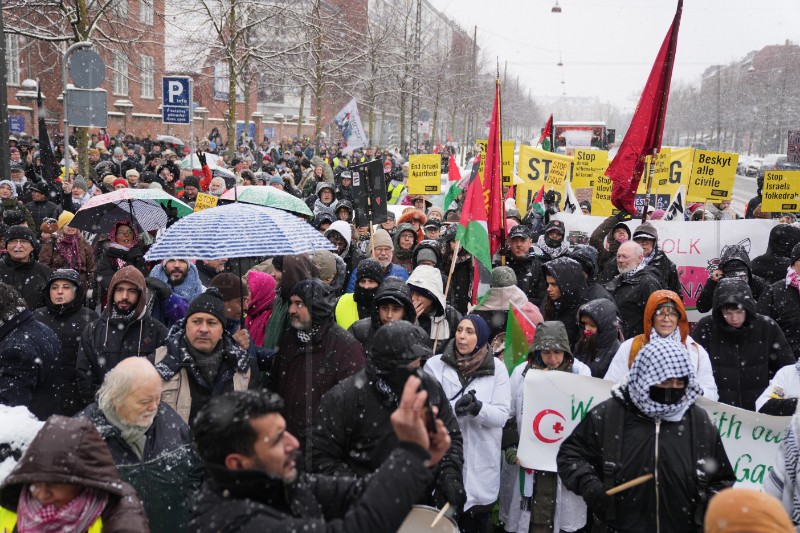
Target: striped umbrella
{"x": 237, "y": 230}
{"x": 268, "y": 197}
{"x": 144, "y": 206}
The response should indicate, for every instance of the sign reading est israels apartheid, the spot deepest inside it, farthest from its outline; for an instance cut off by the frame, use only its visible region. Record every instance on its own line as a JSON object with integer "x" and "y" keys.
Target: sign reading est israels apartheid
{"x": 204, "y": 201}
{"x": 556, "y": 402}
{"x": 508, "y": 160}
{"x": 424, "y": 174}
{"x": 712, "y": 176}
{"x": 534, "y": 166}
{"x": 781, "y": 191}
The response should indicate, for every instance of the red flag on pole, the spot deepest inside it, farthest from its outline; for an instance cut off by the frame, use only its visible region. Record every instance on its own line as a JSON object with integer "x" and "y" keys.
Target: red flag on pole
{"x": 453, "y": 173}
{"x": 493, "y": 177}
{"x": 647, "y": 124}
{"x": 546, "y": 133}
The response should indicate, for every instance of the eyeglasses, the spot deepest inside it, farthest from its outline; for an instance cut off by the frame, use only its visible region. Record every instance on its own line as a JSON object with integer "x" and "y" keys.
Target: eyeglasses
{"x": 667, "y": 313}
{"x": 733, "y": 312}
{"x": 125, "y": 232}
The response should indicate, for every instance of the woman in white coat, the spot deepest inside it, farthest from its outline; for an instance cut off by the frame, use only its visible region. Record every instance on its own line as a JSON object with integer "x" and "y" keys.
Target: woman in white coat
{"x": 478, "y": 389}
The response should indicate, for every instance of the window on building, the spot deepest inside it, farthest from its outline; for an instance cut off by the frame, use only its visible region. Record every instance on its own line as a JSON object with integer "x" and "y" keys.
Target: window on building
{"x": 148, "y": 71}
{"x": 146, "y": 9}
{"x": 120, "y": 8}
{"x": 120, "y": 74}
{"x": 12, "y": 59}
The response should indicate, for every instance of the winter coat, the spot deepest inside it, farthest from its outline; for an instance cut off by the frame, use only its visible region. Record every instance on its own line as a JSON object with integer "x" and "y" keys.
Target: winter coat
{"x": 50, "y": 255}
{"x": 587, "y": 256}
{"x": 31, "y": 360}
{"x": 705, "y": 300}
{"x": 168, "y": 475}
{"x": 603, "y": 313}
{"x": 404, "y": 258}
{"x": 606, "y": 247}
{"x": 332, "y": 356}
{"x": 744, "y": 359}
{"x": 28, "y": 278}
{"x": 773, "y": 263}
{"x": 185, "y": 390}
{"x": 353, "y": 435}
{"x": 460, "y": 293}
{"x": 481, "y": 433}
{"x": 391, "y": 270}
{"x": 494, "y": 308}
{"x": 782, "y": 304}
{"x": 42, "y": 210}
{"x": 106, "y": 265}
{"x": 442, "y": 321}
{"x": 364, "y": 330}
{"x": 667, "y": 271}
{"x": 188, "y": 289}
{"x": 69, "y": 450}
{"x": 781, "y": 395}
{"x": 251, "y": 501}
{"x": 570, "y": 508}
{"x": 698, "y": 357}
{"x": 569, "y": 277}
{"x": 107, "y": 341}
{"x": 530, "y": 277}
{"x": 67, "y": 322}
{"x": 14, "y": 204}
{"x": 631, "y": 294}
{"x": 665, "y": 448}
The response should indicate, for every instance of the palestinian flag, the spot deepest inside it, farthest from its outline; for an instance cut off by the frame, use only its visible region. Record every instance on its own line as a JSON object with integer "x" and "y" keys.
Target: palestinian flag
{"x": 547, "y": 132}
{"x": 463, "y": 184}
{"x": 453, "y": 172}
{"x": 538, "y": 203}
{"x": 519, "y": 336}
{"x": 473, "y": 235}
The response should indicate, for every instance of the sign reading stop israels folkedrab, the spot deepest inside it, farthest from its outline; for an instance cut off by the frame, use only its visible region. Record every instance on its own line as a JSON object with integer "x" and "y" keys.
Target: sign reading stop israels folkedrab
{"x": 712, "y": 176}
{"x": 781, "y": 191}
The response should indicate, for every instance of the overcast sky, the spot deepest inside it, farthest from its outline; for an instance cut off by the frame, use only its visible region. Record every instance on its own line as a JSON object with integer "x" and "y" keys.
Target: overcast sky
{"x": 608, "y": 46}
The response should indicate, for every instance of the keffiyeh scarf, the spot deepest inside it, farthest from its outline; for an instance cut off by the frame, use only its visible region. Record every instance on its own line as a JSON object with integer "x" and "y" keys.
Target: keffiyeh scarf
{"x": 77, "y": 515}
{"x": 792, "y": 278}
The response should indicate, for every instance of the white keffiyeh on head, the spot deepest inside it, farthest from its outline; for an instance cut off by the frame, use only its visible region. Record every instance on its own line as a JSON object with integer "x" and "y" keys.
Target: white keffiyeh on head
{"x": 660, "y": 360}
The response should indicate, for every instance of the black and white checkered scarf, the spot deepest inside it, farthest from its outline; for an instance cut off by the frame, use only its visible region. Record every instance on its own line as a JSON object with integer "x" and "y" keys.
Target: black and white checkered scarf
{"x": 659, "y": 360}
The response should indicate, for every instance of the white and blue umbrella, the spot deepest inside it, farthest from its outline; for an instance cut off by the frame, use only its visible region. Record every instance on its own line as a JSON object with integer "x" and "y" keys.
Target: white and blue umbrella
{"x": 237, "y": 230}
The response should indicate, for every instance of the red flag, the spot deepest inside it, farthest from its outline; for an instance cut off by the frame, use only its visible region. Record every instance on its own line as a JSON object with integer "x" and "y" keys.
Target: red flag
{"x": 647, "y": 124}
{"x": 453, "y": 174}
{"x": 493, "y": 177}
{"x": 547, "y": 130}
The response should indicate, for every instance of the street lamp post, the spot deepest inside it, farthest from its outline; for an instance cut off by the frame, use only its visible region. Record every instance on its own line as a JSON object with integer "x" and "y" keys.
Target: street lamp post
{"x": 77, "y": 46}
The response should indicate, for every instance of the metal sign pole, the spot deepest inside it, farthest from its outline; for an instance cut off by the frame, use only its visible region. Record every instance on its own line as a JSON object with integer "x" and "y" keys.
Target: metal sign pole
{"x": 77, "y": 46}
{"x": 191, "y": 119}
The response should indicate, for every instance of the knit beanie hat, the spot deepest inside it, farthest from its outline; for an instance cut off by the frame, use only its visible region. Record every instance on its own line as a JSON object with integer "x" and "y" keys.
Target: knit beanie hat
{"x": 80, "y": 183}
{"x": 132, "y": 172}
{"x": 743, "y": 510}
{"x": 13, "y": 217}
{"x": 229, "y": 285}
{"x": 20, "y": 232}
{"x": 645, "y": 231}
{"x": 65, "y": 218}
{"x": 382, "y": 238}
{"x": 276, "y": 180}
{"x": 370, "y": 269}
{"x": 503, "y": 277}
{"x": 426, "y": 254}
{"x": 208, "y": 302}
{"x": 118, "y": 151}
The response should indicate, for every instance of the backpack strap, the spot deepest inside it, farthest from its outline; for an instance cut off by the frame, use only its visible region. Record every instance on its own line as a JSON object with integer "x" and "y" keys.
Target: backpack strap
{"x": 636, "y": 346}
{"x": 613, "y": 427}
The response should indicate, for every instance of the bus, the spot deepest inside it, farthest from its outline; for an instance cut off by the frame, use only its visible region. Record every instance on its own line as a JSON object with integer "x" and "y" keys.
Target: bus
{"x": 582, "y": 135}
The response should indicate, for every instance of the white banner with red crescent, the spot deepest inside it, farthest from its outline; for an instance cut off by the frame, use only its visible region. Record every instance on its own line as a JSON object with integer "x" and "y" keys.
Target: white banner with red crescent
{"x": 555, "y": 402}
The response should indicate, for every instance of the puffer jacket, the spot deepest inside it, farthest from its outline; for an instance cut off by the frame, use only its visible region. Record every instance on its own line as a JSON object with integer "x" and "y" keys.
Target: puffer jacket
{"x": 67, "y": 321}
{"x": 569, "y": 277}
{"x": 90, "y": 464}
{"x": 29, "y": 278}
{"x": 530, "y": 277}
{"x": 364, "y": 330}
{"x": 744, "y": 360}
{"x": 440, "y": 323}
{"x": 782, "y": 304}
{"x": 587, "y": 256}
{"x": 169, "y": 473}
{"x": 666, "y": 269}
{"x": 773, "y": 263}
{"x": 631, "y": 294}
{"x": 603, "y": 313}
{"x": 705, "y": 300}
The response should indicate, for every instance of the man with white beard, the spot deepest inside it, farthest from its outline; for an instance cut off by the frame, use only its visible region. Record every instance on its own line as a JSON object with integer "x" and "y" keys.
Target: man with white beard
{"x": 151, "y": 444}
{"x": 632, "y": 287}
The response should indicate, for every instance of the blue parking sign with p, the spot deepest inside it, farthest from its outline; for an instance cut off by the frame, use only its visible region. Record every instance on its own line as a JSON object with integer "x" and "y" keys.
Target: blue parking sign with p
{"x": 177, "y": 100}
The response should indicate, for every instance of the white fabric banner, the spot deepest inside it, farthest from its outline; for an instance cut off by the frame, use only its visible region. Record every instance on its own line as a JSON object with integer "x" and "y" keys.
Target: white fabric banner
{"x": 694, "y": 247}
{"x": 349, "y": 123}
{"x": 555, "y": 402}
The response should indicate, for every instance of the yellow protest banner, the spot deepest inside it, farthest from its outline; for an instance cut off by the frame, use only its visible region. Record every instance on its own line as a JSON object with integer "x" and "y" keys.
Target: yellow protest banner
{"x": 425, "y": 174}
{"x": 587, "y": 166}
{"x": 508, "y": 160}
{"x": 781, "y": 191}
{"x": 534, "y": 165}
{"x": 712, "y": 176}
{"x": 204, "y": 201}
{"x": 601, "y": 197}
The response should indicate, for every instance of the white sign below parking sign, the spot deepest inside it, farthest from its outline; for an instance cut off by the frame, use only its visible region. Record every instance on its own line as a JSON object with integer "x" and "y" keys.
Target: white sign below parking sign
{"x": 176, "y": 100}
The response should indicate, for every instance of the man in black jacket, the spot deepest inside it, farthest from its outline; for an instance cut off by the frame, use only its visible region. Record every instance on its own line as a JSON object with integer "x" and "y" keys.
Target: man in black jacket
{"x": 392, "y": 303}
{"x": 651, "y": 424}
{"x": 352, "y": 434}
{"x": 746, "y": 349}
{"x": 734, "y": 262}
{"x": 632, "y": 287}
{"x": 773, "y": 263}
{"x": 781, "y": 302}
{"x": 20, "y": 269}
{"x": 254, "y": 485}
{"x": 525, "y": 264}
{"x": 646, "y": 236}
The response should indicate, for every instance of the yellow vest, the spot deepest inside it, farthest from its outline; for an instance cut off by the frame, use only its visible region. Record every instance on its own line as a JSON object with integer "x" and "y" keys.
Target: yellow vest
{"x": 346, "y": 311}
{"x": 8, "y": 521}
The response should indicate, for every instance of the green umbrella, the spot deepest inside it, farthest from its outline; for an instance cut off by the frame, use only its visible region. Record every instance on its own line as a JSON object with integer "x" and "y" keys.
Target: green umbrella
{"x": 269, "y": 197}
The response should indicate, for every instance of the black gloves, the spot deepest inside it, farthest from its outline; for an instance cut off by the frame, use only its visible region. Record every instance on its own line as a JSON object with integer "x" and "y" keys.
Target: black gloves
{"x": 596, "y": 497}
{"x": 159, "y": 287}
{"x": 202, "y": 158}
{"x": 450, "y": 488}
{"x": 468, "y": 405}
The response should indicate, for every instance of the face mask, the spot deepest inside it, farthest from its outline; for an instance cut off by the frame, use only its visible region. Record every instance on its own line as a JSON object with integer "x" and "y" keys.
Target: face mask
{"x": 552, "y": 243}
{"x": 364, "y": 296}
{"x": 666, "y": 396}
{"x": 738, "y": 274}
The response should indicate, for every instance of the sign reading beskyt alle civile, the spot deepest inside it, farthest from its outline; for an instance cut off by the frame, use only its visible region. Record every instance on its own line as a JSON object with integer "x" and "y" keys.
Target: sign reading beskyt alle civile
{"x": 176, "y": 105}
